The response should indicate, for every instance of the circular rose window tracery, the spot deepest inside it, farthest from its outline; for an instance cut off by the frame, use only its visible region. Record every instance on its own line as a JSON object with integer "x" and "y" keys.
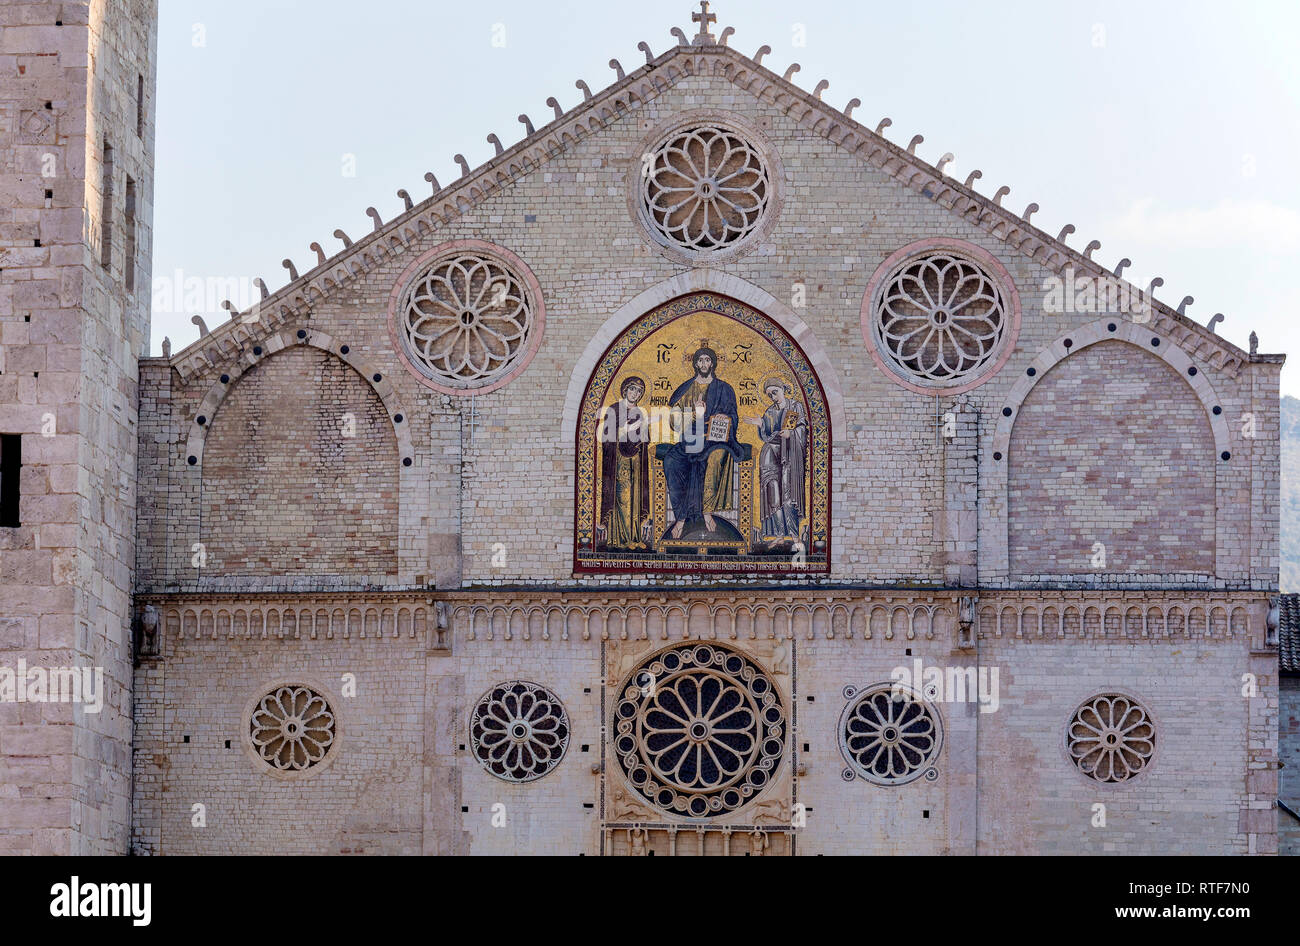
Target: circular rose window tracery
{"x": 889, "y": 735}
{"x": 939, "y": 319}
{"x": 466, "y": 320}
{"x": 519, "y": 731}
{"x": 292, "y": 728}
{"x": 700, "y": 730}
{"x": 704, "y": 188}
{"x": 1111, "y": 738}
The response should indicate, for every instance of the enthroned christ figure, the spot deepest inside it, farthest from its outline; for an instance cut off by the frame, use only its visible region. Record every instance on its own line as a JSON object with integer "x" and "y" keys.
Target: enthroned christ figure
{"x": 698, "y": 469}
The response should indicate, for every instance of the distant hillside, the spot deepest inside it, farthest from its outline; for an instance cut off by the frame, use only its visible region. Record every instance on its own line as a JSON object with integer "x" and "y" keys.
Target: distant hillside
{"x": 1290, "y": 497}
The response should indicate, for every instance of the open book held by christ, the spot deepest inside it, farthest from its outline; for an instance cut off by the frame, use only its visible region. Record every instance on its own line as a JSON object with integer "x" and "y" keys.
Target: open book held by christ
{"x": 719, "y": 428}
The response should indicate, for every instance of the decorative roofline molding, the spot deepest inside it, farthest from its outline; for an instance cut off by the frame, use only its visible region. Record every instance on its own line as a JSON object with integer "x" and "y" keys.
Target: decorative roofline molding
{"x": 387, "y": 241}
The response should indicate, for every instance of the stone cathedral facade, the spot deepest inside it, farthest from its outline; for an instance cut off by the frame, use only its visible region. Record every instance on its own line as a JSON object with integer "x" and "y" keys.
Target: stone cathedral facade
{"x": 705, "y": 473}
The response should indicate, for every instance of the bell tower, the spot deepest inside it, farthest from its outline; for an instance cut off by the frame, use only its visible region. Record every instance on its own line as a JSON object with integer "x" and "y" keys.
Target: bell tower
{"x": 76, "y": 175}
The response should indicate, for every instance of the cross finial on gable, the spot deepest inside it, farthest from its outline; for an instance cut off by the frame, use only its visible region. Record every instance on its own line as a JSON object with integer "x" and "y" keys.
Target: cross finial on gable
{"x": 704, "y": 18}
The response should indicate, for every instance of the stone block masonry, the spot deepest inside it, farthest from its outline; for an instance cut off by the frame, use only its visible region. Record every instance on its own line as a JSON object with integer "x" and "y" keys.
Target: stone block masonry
{"x": 76, "y": 173}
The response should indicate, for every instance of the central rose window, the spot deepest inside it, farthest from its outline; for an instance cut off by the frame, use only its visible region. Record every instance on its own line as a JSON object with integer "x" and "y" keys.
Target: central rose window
{"x": 700, "y": 730}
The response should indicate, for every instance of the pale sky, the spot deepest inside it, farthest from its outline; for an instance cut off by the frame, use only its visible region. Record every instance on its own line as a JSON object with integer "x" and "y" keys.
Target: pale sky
{"x": 1169, "y": 131}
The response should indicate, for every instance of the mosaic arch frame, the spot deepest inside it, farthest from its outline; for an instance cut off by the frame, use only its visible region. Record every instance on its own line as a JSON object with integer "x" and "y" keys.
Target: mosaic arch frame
{"x": 745, "y": 537}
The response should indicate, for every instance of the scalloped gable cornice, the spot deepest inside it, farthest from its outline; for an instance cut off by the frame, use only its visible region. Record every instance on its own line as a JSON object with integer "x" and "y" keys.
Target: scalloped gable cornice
{"x": 229, "y": 340}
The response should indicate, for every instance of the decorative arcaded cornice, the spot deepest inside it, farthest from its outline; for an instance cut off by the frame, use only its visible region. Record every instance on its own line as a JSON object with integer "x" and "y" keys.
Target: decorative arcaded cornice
{"x": 702, "y": 57}
{"x": 947, "y": 615}
{"x": 1135, "y": 615}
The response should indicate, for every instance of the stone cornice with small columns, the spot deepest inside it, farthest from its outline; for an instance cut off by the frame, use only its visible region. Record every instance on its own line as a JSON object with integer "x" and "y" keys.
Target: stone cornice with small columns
{"x": 540, "y": 615}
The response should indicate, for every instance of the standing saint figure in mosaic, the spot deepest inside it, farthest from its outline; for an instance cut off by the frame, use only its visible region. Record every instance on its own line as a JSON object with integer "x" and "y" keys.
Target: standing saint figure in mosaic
{"x": 699, "y": 468}
{"x": 782, "y": 465}
{"x": 625, "y": 469}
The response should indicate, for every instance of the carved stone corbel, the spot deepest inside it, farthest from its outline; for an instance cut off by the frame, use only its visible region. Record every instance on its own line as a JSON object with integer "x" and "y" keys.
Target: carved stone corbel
{"x": 147, "y": 643}
{"x": 440, "y": 633}
{"x": 967, "y": 621}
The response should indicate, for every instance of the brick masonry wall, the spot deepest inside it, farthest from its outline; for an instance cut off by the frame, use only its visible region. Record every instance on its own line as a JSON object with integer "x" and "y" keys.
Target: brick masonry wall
{"x": 1111, "y": 470}
{"x": 300, "y": 473}
{"x": 859, "y": 817}
{"x": 191, "y": 751}
{"x": 492, "y": 505}
{"x": 1032, "y": 801}
{"x": 840, "y": 219}
{"x": 405, "y": 779}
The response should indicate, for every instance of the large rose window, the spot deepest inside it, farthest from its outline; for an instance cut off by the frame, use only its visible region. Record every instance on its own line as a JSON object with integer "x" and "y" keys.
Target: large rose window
{"x": 704, "y": 188}
{"x": 700, "y": 730}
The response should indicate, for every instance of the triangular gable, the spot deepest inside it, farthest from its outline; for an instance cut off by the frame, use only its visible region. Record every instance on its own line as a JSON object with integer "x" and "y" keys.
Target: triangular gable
{"x": 656, "y": 76}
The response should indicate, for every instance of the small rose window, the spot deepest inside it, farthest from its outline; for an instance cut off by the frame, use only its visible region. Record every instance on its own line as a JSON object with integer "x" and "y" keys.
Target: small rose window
{"x": 940, "y": 319}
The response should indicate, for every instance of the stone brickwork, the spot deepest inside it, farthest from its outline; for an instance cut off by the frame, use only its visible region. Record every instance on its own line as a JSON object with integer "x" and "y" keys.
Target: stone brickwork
{"x": 300, "y": 473}
{"x": 401, "y": 573}
{"x": 1111, "y": 471}
{"x": 1003, "y": 782}
{"x": 76, "y": 178}
{"x": 887, "y": 453}
{"x": 959, "y": 523}
{"x": 951, "y": 495}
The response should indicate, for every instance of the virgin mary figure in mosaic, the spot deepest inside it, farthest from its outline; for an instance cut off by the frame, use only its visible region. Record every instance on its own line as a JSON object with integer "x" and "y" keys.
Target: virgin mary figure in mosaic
{"x": 782, "y": 463}
{"x": 625, "y": 469}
